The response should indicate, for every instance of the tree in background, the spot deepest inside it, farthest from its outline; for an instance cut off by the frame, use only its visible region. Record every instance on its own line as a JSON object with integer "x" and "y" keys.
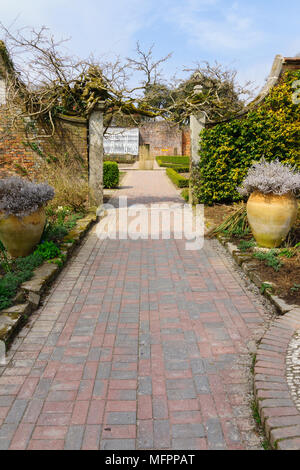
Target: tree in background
{"x": 45, "y": 81}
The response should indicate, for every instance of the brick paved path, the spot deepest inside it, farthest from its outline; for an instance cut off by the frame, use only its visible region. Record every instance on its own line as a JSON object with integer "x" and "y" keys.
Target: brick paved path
{"x": 139, "y": 345}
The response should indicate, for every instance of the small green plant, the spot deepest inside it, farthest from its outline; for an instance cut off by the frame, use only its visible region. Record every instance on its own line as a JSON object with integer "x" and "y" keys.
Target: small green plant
{"x": 245, "y": 245}
{"x": 54, "y": 232}
{"x": 264, "y": 287}
{"x": 64, "y": 222}
{"x": 185, "y": 194}
{"x": 255, "y": 413}
{"x": 10, "y": 282}
{"x": 48, "y": 250}
{"x": 4, "y": 261}
{"x": 287, "y": 253}
{"x": 295, "y": 288}
{"x": 270, "y": 259}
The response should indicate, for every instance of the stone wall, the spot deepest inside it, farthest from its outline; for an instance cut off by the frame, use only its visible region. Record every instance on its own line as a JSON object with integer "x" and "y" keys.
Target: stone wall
{"x": 163, "y": 138}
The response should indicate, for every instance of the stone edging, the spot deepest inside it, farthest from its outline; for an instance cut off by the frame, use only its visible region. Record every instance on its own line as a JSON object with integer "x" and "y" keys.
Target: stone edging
{"x": 279, "y": 416}
{"x": 244, "y": 260}
{"x": 30, "y": 292}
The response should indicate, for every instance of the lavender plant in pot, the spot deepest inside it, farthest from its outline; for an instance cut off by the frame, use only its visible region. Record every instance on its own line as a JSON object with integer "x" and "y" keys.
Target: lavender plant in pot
{"x": 272, "y": 206}
{"x": 22, "y": 214}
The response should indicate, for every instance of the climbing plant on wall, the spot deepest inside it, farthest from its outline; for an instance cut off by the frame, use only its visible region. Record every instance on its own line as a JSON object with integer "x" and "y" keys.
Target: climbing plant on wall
{"x": 228, "y": 150}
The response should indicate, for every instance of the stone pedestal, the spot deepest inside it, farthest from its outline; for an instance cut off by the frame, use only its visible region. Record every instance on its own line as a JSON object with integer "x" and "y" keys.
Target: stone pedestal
{"x": 96, "y": 156}
{"x": 197, "y": 124}
{"x": 146, "y": 161}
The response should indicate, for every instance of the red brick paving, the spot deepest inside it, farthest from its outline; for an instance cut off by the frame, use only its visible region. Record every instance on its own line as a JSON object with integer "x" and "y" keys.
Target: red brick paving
{"x": 139, "y": 345}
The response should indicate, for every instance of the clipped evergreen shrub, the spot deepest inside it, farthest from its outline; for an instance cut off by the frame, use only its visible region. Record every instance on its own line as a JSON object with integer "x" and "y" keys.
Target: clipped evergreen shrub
{"x": 180, "y": 161}
{"x": 228, "y": 150}
{"x": 111, "y": 175}
{"x": 177, "y": 179}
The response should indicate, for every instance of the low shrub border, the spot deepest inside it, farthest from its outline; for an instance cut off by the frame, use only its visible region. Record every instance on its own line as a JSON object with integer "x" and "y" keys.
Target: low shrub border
{"x": 177, "y": 179}
{"x": 181, "y": 161}
{"x": 29, "y": 294}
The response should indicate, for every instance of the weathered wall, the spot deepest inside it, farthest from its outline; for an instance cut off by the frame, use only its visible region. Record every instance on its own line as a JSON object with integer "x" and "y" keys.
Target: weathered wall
{"x": 163, "y": 138}
{"x": 186, "y": 141}
{"x": 15, "y": 155}
{"x": 291, "y": 63}
{"x": 70, "y": 138}
{"x": 20, "y": 152}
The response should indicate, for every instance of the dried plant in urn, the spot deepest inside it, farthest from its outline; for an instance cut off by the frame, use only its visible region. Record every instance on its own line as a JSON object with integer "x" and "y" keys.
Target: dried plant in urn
{"x": 22, "y": 214}
{"x": 272, "y": 206}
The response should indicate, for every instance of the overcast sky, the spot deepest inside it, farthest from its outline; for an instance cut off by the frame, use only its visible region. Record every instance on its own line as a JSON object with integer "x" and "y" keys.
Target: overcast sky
{"x": 244, "y": 34}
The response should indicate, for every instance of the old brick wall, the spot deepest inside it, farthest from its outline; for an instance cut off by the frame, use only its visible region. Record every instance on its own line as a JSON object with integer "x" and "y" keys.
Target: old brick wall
{"x": 163, "y": 138}
{"x": 15, "y": 155}
{"x": 20, "y": 152}
{"x": 70, "y": 139}
{"x": 186, "y": 141}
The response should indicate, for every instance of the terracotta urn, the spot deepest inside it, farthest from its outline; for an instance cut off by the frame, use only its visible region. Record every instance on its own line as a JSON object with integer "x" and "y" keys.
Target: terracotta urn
{"x": 20, "y": 235}
{"x": 271, "y": 217}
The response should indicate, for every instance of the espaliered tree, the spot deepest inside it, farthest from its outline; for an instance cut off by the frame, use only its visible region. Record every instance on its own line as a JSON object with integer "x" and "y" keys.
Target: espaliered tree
{"x": 46, "y": 81}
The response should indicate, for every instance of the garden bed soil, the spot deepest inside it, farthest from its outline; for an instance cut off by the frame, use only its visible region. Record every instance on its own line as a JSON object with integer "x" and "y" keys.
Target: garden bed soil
{"x": 215, "y": 215}
{"x": 285, "y": 280}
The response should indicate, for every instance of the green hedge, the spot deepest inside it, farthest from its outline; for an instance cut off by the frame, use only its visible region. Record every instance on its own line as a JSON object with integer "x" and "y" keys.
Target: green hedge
{"x": 228, "y": 150}
{"x": 178, "y": 168}
{"x": 177, "y": 179}
{"x": 111, "y": 175}
{"x": 166, "y": 160}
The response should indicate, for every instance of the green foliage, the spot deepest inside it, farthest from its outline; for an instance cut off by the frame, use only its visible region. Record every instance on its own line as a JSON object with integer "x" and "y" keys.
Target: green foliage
{"x": 4, "y": 261}
{"x": 235, "y": 225}
{"x": 174, "y": 161}
{"x": 264, "y": 287}
{"x": 295, "y": 288}
{"x": 111, "y": 175}
{"x": 270, "y": 258}
{"x": 54, "y": 232}
{"x": 62, "y": 222}
{"x": 245, "y": 245}
{"x": 228, "y": 150}
{"x": 177, "y": 179}
{"x": 29, "y": 263}
{"x": 48, "y": 250}
{"x": 255, "y": 412}
{"x": 22, "y": 271}
{"x": 185, "y": 194}
{"x": 287, "y": 253}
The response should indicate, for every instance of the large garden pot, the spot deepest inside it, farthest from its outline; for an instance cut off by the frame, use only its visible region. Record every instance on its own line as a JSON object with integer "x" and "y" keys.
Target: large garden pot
{"x": 271, "y": 217}
{"x": 20, "y": 235}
